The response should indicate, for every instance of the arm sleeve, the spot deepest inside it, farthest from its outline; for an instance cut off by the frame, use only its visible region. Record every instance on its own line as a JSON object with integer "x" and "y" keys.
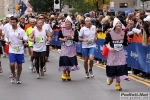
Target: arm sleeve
{"x": 60, "y": 35}
{"x": 76, "y": 36}
{"x": 107, "y": 39}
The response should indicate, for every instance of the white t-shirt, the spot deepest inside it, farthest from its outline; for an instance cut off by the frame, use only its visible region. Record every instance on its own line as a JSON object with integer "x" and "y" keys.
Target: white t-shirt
{"x": 48, "y": 28}
{"x": 16, "y": 46}
{"x": 89, "y": 34}
{"x": 6, "y": 27}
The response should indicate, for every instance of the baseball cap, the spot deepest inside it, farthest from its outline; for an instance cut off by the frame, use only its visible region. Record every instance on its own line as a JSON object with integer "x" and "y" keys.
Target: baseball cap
{"x": 87, "y": 15}
{"x": 147, "y": 19}
{"x": 88, "y": 18}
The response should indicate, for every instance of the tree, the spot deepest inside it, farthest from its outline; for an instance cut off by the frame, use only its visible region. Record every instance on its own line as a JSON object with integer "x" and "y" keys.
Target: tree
{"x": 78, "y": 6}
{"x": 42, "y": 5}
{"x": 96, "y": 4}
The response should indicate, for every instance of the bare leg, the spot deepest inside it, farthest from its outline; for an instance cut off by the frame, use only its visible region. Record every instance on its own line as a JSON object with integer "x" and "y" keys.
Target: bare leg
{"x": 19, "y": 70}
{"x": 86, "y": 64}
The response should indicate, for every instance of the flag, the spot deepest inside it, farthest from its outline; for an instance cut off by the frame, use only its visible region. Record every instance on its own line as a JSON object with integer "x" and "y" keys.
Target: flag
{"x": 23, "y": 7}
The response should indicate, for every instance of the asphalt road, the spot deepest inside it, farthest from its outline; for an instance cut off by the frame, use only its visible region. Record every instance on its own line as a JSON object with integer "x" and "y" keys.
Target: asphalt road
{"x": 51, "y": 87}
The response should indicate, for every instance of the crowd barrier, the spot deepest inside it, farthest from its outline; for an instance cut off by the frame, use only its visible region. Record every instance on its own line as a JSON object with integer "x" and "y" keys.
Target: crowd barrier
{"x": 138, "y": 56}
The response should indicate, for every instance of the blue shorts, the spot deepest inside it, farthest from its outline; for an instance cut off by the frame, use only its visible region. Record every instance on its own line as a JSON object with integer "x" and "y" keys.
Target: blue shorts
{"x": 16, "y": 58}
{"x": 88, "y": 51}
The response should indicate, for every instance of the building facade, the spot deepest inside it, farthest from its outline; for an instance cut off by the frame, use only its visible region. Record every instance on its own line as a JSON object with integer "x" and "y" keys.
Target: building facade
{"x": 123, "y": 3}
{"x": 9, "y": 7}
{"x": 139, "y": 4}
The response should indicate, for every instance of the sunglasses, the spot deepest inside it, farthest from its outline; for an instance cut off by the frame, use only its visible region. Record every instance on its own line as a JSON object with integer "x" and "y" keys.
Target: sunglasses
{"x": 41, "y": 18}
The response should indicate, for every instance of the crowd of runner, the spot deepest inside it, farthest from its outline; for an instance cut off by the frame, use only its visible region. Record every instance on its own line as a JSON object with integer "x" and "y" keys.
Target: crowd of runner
{"x": 34, "y": 32}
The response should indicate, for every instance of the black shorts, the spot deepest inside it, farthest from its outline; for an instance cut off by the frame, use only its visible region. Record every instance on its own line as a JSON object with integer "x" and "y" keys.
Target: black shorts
{"x": 1, "y": 50}
{"x": 39, "y": 54}
{"x": 47, "y": 50}
{"x": 3, "y": 43}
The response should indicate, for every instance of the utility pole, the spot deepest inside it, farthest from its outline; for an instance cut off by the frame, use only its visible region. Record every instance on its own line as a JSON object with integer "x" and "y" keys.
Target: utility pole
{"x": 103, "y": 1}
{"x": 143, "y": 4}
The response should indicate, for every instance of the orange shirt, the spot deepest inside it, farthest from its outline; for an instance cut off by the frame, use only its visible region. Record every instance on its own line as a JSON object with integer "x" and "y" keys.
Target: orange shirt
{"x": 27, "y": 26}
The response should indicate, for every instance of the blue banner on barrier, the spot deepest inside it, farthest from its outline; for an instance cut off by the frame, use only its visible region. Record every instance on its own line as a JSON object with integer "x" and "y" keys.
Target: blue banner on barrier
{"x": 55, "y": 39}
{"x": 79, "y": 47}
{"x": 138, "y": 56}
{"x": 97, "y": 49}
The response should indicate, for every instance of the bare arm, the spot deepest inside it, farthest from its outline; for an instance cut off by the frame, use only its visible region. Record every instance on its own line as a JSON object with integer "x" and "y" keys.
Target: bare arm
{"x": 31, "y": 36}
{"x": 48, "y": 36}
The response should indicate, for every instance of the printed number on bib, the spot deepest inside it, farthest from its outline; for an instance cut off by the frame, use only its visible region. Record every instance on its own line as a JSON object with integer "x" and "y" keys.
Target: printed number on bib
{"x": 39, "y": 39}
{"x": 16, "y": 48}
{"x": 118, "y": 47}
{"x": 90, "y": 42}
{"x": 69, "y": 43}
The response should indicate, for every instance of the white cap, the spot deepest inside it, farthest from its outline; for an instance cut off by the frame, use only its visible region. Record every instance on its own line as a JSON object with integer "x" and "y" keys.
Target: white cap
{"x": 147, "y": 19}
{"x": 116, "y": 20}
{"x": 69, "y": 19}
{"x": 52, "y": 16}
{"x": 87, "y": 18}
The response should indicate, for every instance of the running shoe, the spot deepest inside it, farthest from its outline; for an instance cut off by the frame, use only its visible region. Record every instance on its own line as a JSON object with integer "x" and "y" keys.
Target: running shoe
{"x": 109, "y": 82}
{"x": 42, "y": 73}
{"x": 44, "y": 68}
{"x": 1, "y": 70}
{"x": 118, "y": 87}
{"x": 87, "y": 75}
{"x": 4, "y": 56}
{"x": 34, "y": 70}
{"x": 38, "y": 76}
{"x": 91, "y": 73}
{"x": 18, "y": 81}
{"x": 13, "y": 80}
{"x": 10, "y": 76}
{"x": 31, "y": 66}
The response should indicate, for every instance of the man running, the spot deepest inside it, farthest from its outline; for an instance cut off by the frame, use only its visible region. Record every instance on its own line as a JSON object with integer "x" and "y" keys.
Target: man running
{"x": 30, "y": 44}
{"x": 50, "y": 31}
{"x": 40, "y": 37}
{"x": 15, "y": 37}
{"x": 88, "y": 37}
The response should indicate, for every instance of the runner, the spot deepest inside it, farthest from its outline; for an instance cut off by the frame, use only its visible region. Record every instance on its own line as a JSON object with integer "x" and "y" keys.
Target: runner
{"x": 15, "y": 37}
{"x": 39, "y": 36}
{"x": 88, "y": 37}
{"x": 1, "y": 51}
{"x": 30, "y": 44}
{"x": 5, "y": 29}
{"x": 116, "y": 66}
{"x": 68, "y": 60}
{"x": 50, "y": 31}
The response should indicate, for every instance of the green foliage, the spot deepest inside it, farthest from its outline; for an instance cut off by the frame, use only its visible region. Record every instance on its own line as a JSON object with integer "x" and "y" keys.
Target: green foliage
{"x": 42, "y": 5}
{"x": 78, "y": 5}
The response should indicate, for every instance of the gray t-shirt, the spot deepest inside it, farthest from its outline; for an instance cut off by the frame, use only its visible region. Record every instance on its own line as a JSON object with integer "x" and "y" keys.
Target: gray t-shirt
{"x": 89, "y": 34}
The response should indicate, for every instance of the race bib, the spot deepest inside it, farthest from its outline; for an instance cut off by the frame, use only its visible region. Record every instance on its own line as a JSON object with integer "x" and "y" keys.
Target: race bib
{"x": 69, "y": 43}
{"x": 90, "y": 42}
{"x": 15, "y": 48}
{"x": 39, "y": 39}
{"x": 118, "y": 47}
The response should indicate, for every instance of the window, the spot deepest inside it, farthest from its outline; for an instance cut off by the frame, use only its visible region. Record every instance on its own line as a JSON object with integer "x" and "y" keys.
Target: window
{"x": 123, "y": 5}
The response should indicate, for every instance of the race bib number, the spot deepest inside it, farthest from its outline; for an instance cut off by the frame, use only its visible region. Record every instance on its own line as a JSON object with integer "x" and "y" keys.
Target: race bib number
{"x": 16, "y": 48}
{"x": 69, "y": 43}
{"x": 39, "y": 39}
{"x": 118, "y": 47}
{"x": 90, "y": 42}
